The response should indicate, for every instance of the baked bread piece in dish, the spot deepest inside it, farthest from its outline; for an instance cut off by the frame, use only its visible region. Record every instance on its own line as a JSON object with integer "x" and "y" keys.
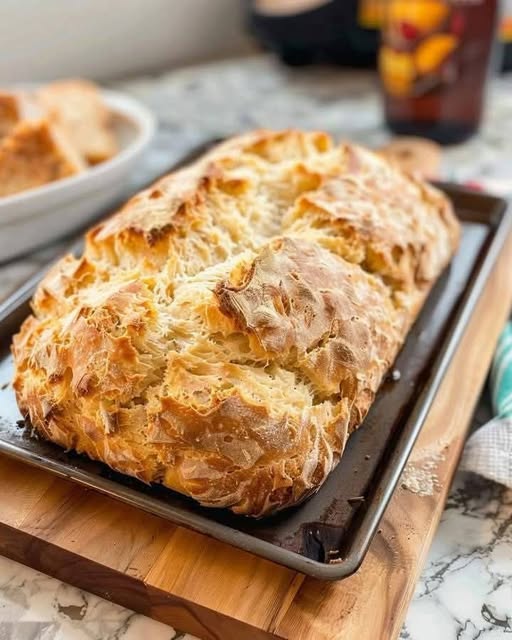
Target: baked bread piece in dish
{"x": 227, "y": 329}
{"x": 35, "y": 153}
{"x": 52, "y": 133}
{"x": 77, "y": 108}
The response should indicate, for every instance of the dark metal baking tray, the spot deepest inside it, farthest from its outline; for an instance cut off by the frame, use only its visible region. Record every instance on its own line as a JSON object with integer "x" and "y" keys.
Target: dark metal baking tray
{"x": 338, "y": 522}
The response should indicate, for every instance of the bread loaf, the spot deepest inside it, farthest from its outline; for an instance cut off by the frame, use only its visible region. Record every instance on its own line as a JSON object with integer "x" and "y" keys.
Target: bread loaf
{"x": 226, "y": 330}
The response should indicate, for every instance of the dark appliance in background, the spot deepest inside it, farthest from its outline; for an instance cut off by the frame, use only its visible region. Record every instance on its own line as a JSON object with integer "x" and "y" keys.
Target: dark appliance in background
{"x": 344, "y": 32}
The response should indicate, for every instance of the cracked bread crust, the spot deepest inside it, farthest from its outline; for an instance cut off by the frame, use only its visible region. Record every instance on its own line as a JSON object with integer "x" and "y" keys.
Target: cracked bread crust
{"x": 227, "y": 329}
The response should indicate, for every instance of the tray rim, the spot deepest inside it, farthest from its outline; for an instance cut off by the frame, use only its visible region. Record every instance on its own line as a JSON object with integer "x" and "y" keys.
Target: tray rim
{"x": 500, "y": 222}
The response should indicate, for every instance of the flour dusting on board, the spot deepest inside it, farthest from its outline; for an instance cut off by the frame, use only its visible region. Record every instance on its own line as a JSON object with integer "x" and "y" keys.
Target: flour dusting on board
{"x": 420, "y": 476}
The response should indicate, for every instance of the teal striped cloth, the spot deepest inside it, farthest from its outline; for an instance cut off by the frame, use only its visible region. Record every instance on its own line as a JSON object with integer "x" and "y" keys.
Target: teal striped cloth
{"x": 488, "y": 451}
{"x": 501, "y": 375}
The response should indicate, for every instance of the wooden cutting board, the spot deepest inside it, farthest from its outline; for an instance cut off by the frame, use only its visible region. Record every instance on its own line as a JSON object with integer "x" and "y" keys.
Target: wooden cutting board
{"x": 217, "y": 592}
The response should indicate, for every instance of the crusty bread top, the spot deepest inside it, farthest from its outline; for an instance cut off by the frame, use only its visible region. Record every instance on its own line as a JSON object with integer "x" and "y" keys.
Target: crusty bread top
{"x": 229, "y": 326}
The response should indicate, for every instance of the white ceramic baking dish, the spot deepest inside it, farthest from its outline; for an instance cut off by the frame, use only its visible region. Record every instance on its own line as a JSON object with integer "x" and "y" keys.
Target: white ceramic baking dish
{"x": 34, "y": 217}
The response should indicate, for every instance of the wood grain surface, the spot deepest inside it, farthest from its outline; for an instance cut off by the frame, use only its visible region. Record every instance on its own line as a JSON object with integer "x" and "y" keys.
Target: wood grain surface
{"x": 220, "y": 593}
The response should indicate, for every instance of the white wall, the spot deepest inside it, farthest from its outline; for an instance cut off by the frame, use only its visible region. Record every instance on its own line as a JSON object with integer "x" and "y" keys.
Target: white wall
{"x": 44, "y": 39}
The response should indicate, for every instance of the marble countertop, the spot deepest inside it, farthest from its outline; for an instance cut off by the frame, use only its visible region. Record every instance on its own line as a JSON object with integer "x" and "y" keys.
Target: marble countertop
{"x": 465, "y": 590}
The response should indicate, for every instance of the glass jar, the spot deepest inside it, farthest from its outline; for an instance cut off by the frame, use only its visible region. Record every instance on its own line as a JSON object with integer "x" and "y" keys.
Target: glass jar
{"x": 434, "y": 61}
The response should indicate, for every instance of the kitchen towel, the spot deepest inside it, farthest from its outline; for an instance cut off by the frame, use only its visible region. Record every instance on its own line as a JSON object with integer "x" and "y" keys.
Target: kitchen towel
{"x": 488, "y": 451}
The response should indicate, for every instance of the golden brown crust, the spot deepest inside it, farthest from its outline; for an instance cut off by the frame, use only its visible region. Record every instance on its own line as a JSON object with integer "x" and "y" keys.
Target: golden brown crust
{"x": 9, "y": 112}
{"x": 226, "y": 330}
{"x": 304, "y": 308}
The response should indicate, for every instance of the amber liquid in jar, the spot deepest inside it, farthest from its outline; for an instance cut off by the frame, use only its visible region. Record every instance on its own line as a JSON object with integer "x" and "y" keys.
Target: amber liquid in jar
{"x": 433, "y": 62}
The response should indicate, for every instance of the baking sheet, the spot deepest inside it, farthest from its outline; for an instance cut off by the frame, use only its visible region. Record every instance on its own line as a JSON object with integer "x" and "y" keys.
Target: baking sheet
{"x": 328, "y": 535}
